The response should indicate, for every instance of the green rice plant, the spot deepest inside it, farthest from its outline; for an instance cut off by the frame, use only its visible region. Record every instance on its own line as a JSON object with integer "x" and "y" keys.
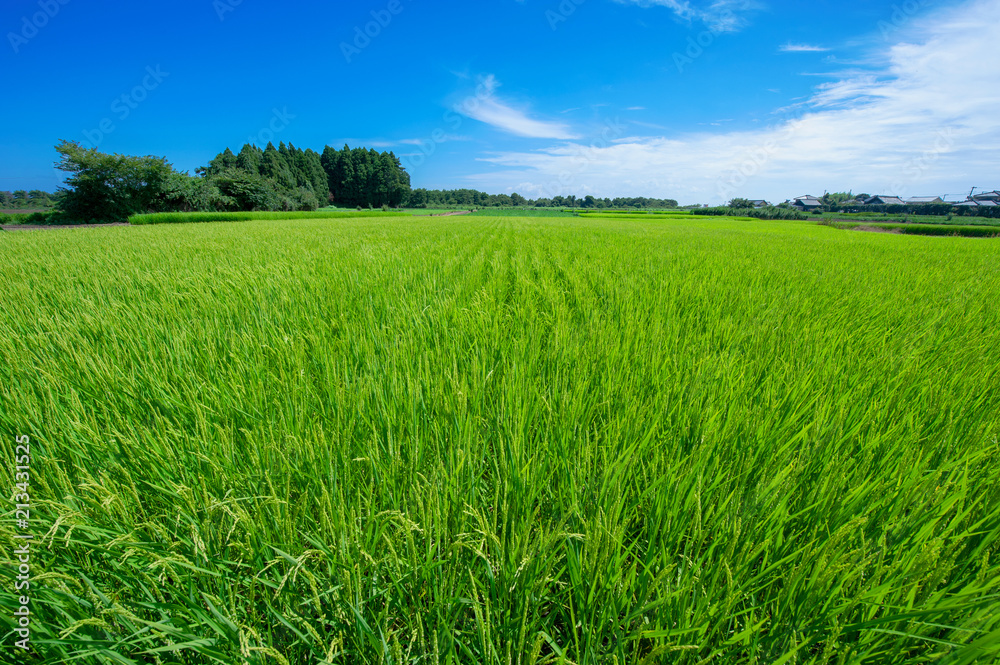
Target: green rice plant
{"x": 504, "y": 440}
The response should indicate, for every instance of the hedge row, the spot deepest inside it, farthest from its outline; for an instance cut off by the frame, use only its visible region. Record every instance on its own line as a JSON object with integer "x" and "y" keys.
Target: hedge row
{"x": 767, "y": 212}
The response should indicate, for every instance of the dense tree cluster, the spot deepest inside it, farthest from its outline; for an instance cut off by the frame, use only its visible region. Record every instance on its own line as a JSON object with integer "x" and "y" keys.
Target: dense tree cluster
{"x": 288, "y": 178}
{"x": 366, "y": 178}
{"x": 282, "y": 178}
{"x": 107, "y": 187}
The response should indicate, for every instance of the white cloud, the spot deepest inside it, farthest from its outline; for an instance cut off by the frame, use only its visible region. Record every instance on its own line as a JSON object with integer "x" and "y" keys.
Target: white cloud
{"x": 925, "y": 124}
{"x": 718, "y": 15}
{"x": 446, "y": 138}
{"x": 486, "y": 107}
{"x": 802, "y": 48}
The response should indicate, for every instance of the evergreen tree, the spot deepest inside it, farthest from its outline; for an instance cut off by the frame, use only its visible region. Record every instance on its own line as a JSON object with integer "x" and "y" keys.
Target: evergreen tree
{"x": 249, "y": 159}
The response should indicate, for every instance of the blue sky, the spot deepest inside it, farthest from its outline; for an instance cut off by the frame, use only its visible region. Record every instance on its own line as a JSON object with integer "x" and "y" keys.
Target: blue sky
{"x": 698, "y": 101}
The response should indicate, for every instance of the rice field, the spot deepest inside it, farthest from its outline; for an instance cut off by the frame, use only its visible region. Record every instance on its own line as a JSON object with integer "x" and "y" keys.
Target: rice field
{"x": 503, "y": 440}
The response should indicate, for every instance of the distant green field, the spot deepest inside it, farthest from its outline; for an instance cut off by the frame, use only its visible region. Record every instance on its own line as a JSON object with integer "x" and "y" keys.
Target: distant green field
{"x": 657, "y": 439}
{"x": 193, "y": 217}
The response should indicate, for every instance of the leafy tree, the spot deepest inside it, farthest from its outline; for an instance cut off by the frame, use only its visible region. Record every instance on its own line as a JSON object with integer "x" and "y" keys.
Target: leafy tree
{"x": 740, "y": 204}
{"x": 248, "y": 191}
{"x": 418, "y": 198}
{"x": 39, "y": 199}
{"x": 109, "y": 188}
{"x": 6, "y": 199}
{"x": 20, "y": 198}
{"x": 307, "y": 199}
{"x": 184, "y": 193}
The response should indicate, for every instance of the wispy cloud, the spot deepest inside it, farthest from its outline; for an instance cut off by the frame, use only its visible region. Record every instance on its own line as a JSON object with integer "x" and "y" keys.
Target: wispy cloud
{"x": 369, "y": 142}
{"x": 924, "y": 124}
{"x": 718, "y": 15}
{"x": 447, "y": 138}
{"x": 486, "y": 107}
{"x": 803, "y": 48}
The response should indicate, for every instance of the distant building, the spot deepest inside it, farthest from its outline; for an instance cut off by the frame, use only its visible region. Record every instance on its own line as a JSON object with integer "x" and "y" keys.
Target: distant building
{"x": 807, "y": 202}
{"x": 885, "y": 201}
{"x": 760, "y": 204}
{"x": 981, "y": 200}
{"x": 920, "y": 200}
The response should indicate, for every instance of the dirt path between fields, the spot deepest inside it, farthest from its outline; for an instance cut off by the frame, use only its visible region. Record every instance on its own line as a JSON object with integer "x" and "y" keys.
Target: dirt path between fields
{"x": 448, "y": 214}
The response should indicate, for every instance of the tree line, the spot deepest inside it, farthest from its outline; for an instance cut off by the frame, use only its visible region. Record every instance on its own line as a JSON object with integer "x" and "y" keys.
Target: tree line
{"x": 103, "y": 187}
{"x": 22, "y": 199}
{"x": 430, "y": 198}
{"x": 106, "y": 187}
